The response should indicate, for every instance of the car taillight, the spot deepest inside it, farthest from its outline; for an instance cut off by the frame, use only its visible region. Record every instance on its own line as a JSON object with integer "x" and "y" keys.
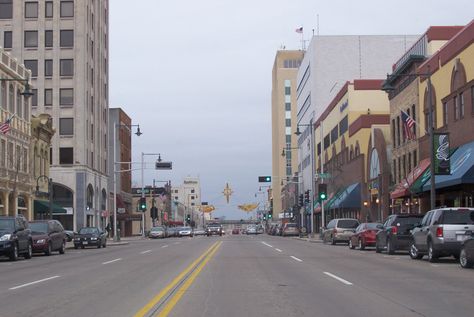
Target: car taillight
{"x": 439, "y": 232}
{"x": 394, "y": 229}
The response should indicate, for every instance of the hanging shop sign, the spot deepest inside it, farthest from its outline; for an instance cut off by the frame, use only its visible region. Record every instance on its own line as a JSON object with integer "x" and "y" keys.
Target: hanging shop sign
{"x": 441, "y": 154}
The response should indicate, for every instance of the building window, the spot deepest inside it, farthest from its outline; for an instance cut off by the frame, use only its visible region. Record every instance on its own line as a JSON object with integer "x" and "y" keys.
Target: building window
{"x": 288, "y": 122}
{"x": 34, "y": 98}
{"x": 456, "y": 108}
{"x": 66, "y": 155}
{"x": 48, "y": 97}
{"x": 287, "y": 90}
{"x": 6, "y": 9}
{"x": 31, "y": 39}
{"x": 33, "y": 66}
{"x": 415, "y": 158}
{"x": 31, "y": 9}
{"x": 92, "y": 132}
{"x": 66, "y": 96}
{"x": 413, "y": 115}
{"x": 66, "y": 67}
{"x": 66, "y": 126}
{"x": 66, "y": 38}
{"x": 409, "y": 163}
{"x": 48, "y": 9}
{"x": 48, "y": 38}
{"x": 445, "y": 113}
{"x": 48, "y": 68}
{"x": 287, "y": 106}
{"x": 67, "y": 9}
{"x": 461, "y": 105}
{"x": 398, "y": 131}
{"x": 327, "y": 141}
{"x": 334, "y": 134}
{"x": 343, "y": 125}
{"x": 393, "y": 133}
{"x": 7, "y": 39}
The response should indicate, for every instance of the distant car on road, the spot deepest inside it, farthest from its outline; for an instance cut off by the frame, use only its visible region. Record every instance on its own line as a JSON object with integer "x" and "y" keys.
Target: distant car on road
{"x": 340, "y": 230}
{"x": 364, "y": 235}
{"x": 199, "y": 232}
{"x": 157, "y": 232}
{"x": 252, "y": 229}
{"x": 48, "y": 236}
{"x": 396, "y": 232}
{"x": 15, "y": 238}
{"x": 214, "y": 229}
{"x": 172, "y": 232}
{"x": 236, "y": 231}
{"x": 441, "y": 233}
{"x": 290, "y": 229}
{"x": 185, "y": 232}
{"x": 90, "y": 236}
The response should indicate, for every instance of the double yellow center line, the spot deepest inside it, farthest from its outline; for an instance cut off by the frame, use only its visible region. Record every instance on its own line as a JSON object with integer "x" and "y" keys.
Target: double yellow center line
{"x": 188, "y": 276}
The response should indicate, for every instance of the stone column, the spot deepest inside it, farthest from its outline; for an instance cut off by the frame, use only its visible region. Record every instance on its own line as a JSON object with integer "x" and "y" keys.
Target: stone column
{"x": 5, "y": 203}
{"x": 29, "y": 205}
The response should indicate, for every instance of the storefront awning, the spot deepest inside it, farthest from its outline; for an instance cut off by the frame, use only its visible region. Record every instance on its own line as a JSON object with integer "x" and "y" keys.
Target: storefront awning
{"x": 462, "y": 169}
{"x": 42, "y": 206}
{"x": 402, "y": 189}
{"x": 348, "y": 197}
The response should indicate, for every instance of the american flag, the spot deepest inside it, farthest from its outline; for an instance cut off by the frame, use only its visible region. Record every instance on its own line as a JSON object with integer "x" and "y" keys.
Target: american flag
{"x": 5, "y": 126}
{"x": 299, "y": 30}
{"x": 408, "y": 124}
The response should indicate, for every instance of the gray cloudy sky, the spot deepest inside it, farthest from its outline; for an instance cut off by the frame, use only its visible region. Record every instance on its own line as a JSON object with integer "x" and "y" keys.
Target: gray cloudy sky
{"x": 196, "y": 76}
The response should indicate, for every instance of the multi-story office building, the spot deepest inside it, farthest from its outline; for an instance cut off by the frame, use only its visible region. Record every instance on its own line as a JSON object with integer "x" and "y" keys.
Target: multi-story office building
{"x": 328, "y": 63}
{"x": 187, "y": 198}
{"x": 284, "y": 153}
{"x": 65, "y": 45}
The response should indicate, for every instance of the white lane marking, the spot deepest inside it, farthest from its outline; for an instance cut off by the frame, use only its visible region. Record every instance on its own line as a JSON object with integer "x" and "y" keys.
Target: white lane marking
{"x": 267, "y": 244}
{"x": 338, "y": 278}
{"x": 295, "y": 258}
{"x": 165, "y": 246}
{"x": 434, "y": 265}
{"x": 112, "y": 261}
{"x": 35, "y": 282}
{"x": 144, "y": 252}
{"x": 278, "y": 250}
{"x": 177, "y": 242}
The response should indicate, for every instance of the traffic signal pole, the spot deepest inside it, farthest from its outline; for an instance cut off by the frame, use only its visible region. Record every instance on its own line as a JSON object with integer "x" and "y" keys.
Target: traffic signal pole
{"x": 321, "y": 157}
{"x": 143, "y": 194}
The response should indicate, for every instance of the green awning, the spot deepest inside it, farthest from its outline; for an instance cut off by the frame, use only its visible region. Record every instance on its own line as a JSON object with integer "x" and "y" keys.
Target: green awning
{"x": 42, "y": 206}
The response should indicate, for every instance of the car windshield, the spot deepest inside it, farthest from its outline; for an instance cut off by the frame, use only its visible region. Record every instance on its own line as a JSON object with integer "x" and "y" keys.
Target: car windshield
{"x": 348, "y": 223}
{"x": 39, "y": 227}
{"x": 374, "y": 225}
{"x": 186, "y": 228}
{"x": 408, "y": 220}
{"x": 157, "y": 229}
{"x": 88, "y": 231}
{"x": 458, "y": 217}
{"x": 291, "y": 225}
{"x": 7, "y": 224}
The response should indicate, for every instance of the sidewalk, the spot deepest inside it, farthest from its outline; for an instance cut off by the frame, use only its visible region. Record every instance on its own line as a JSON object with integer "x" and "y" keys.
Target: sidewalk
{"x": 315, "y": 239}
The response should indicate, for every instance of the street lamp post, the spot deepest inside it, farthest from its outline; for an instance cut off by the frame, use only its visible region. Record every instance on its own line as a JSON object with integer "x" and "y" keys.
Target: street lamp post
{"x": 143, "y": 185}
{"x": 387, "y": 87}
{"x": 138, "y": 133}
{"x": 27, "y": 90}
{"x": 50, "y": 192}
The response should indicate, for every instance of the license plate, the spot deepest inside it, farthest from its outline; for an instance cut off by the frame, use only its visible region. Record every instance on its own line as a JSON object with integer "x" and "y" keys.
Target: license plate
{"x": 461, "y": 237}
{"x": 85, "y": 242}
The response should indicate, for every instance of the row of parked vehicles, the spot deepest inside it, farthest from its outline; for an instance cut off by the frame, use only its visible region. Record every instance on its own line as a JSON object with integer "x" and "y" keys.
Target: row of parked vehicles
{"x": 167, "y": 232}
{"x": 439, "y": 233}
{"x": 19, "y": 237}
{"x": 284, "y": 230}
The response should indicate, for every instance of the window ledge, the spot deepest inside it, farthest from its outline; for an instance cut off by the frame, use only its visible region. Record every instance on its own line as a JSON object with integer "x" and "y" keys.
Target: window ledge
{"x": 67, "y": 77}
{"x": 66, "y": 106}
{"x": 66, "y": 136}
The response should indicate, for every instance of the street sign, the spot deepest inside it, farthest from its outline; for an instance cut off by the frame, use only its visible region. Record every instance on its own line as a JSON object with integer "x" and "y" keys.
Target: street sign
{"x": 324, "y": 175}
{"x": 121, "y": 210}
{"x": 163, "y": 165}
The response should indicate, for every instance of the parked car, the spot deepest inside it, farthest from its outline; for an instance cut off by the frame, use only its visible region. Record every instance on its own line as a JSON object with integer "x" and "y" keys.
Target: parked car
{"x": 214, "y": 229}
{"x": 466, "y": 255}
{"x": 69, "y": 235}
{"x": 364, "y": 235}
{"x": 90, "y": 236}
{"x": 199, "y": 232}
{"x": 260, "y": 229}
{"x": 48, "y": 236}
{"x": 340, "y": 230}
{"x": 15, "y": 238}
{"x": 290, "y": 229}
{"x": 185, "y": 232}
{"x": 396, "y": 233}
{"x": 251, "y": 229}
{"x": 441, "y": 233}
{"x": 236, "y": 231}
{"x": 157, "y": 232}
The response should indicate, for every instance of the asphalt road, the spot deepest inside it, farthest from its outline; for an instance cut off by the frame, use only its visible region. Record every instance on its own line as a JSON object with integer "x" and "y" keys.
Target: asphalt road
{"x": 233, "y": 276}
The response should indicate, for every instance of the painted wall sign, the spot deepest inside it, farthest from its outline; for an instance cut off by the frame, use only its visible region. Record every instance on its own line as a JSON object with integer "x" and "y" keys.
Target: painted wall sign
{"x": 343, "y": 106}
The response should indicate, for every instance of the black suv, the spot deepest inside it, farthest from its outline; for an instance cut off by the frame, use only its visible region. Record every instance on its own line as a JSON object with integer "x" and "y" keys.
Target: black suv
{"x": 15, "y": 237}
{"x": 214, "y": 228}
{"x": 396, "y": 233}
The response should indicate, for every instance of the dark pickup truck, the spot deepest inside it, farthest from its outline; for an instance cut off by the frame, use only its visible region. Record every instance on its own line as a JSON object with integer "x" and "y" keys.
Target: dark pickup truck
{"x": 214, "y": 228}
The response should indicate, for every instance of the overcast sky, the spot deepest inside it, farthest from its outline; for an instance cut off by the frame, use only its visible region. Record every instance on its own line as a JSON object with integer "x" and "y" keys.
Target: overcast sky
{"x": 196, "y": 76}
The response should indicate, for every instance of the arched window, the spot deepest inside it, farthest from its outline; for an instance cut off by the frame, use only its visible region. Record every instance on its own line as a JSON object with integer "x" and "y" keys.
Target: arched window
{"x": 103, "y": 204}
{"x": 357, "y": 149}
{"x": 19, "y": 104}
{"x": 426, "y": 107}
{"x": 351, "y": 153}
{"x": 374, "y": 164}
{"x": 90, "y": 196}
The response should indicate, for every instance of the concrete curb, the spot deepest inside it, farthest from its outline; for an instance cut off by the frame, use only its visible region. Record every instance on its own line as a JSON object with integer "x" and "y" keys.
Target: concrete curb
{"x": 308, "y": 240}
{"x": 70, "y": 245}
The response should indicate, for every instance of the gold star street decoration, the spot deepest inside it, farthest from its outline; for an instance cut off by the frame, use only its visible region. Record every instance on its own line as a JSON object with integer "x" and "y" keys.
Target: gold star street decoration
{"x": 248, "y": 207}
{"x": 227, "y": 192}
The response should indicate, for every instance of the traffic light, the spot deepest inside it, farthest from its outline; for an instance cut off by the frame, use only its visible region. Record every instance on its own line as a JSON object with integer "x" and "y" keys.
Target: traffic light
{"x": 270, "y": 216}
{"x": 306, "y": 197}
{"x": 188, "y": 218}
{"x": 301, "y": 201}
{"x": 143, "y": 204}
{"x": 322, "y": 192}
{"x": 264, "y": 179}
{"x": 264, "y": 216}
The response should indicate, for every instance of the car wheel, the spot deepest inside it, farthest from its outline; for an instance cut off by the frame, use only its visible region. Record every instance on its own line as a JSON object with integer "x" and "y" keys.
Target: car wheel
{"x": 377, "y": 247}
{"x": 48, "y": 250}
{"x": 29, "y": 252}
{"x": 361, "y": 245}
{"x": 99, "y": 245}
{"x": 351, "y": 246}
{"x": 463, "y": 260}
{"x": 63, "y": 248}
{"x": 76, "y": 247}
{"x": 414, "y": 252}
{"x": 82, "y": 246}
{"x": 333, "y": 241}
{"x": 14, "y": 253}
{"x": 105, "y": 244}
{"x": 432, "y": 255}
{"x": 390, "y": 248}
